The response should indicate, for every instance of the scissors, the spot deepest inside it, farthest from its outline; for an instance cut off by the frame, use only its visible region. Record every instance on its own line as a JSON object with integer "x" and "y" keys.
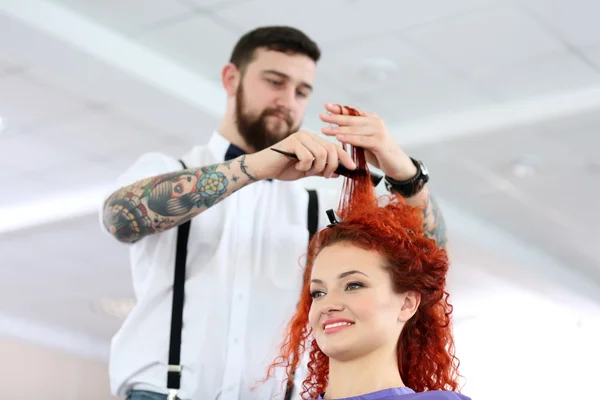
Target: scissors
{"x": 341, "y": 170}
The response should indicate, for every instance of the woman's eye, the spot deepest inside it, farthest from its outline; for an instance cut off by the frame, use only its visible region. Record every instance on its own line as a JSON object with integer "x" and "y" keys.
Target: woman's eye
{"x": 316, "y": 293}
{"x": 354, "y": 286}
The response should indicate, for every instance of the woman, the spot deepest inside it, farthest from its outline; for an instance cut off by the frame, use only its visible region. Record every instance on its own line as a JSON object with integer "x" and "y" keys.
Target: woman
{"x": 373, "y": 312}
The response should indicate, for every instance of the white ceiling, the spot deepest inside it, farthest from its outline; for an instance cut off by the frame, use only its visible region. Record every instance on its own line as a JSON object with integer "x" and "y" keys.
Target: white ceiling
{"x": 87, "y": 86}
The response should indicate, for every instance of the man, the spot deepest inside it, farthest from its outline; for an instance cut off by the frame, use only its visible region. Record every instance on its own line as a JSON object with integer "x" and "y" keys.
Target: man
{"x": 243, "y": 276}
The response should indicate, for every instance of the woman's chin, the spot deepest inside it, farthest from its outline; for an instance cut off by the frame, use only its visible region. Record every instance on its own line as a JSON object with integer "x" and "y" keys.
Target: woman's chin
{"x": 339, "y": 351}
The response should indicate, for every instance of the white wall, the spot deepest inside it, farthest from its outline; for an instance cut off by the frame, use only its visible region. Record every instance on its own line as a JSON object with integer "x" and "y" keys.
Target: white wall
{"x": 526, "y": 350}
{"x": 30, "y": 372}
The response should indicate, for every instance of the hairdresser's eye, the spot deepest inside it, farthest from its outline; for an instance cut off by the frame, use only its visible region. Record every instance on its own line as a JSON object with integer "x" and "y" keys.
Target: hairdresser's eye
{"x": 302, "y": 94}
{"x": 354, "y": 285}
{"x": 274, "y": 82}
{"x": 317, "y": 293}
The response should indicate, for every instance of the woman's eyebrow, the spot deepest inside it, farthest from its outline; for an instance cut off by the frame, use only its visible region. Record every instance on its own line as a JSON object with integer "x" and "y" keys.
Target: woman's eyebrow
{"x": 342, "y": 275}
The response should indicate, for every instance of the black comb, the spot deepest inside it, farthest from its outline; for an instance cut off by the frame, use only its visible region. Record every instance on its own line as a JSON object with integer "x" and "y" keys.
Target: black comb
{"x": 341, "y": 169}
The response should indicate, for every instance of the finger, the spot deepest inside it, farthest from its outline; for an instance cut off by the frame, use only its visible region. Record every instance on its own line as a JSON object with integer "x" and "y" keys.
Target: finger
{"x": 318, "y": 151}
{"x": 366, "y": 142}
{"x": 333, "y": 108}
{"x": 343, "y": 119}
{"x": 364, "y": 130}
{"x": 332, "y": 159}
{"x": 305, "y": 157}
{"x": 343, "y": 110}
{"x": 345, "y": 158}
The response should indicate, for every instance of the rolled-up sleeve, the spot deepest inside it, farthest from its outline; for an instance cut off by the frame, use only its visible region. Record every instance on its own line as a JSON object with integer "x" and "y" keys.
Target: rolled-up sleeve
{"x": 148, "y": 165}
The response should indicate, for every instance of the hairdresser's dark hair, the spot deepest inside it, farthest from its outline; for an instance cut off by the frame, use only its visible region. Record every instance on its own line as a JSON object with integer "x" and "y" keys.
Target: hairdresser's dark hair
{"x": 284, "y": 39}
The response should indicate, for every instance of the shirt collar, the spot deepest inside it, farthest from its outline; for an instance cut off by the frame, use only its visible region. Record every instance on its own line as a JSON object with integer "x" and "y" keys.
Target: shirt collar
{"x": 233, "y": 152}
{"x": 223, "y": 149}
{"x": 218, "y": 146}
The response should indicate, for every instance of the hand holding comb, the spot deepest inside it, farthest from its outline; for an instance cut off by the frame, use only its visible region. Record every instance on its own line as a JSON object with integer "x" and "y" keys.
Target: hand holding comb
{"x": 341, "y": 170}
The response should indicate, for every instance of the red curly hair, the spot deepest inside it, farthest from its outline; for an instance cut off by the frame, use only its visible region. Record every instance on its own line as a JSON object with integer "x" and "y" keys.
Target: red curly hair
{"x": 425, "y": 347}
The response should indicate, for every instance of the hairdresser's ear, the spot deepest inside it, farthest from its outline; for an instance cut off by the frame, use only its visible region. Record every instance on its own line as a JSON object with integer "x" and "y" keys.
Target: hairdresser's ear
{"x": 230, "y": 79}
{"x": 410, "y": 304}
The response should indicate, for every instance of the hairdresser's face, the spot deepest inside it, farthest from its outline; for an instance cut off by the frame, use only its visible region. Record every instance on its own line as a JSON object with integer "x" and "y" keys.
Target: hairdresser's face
{"x": 354, "y": 311}
{"x": 272, "y": 96}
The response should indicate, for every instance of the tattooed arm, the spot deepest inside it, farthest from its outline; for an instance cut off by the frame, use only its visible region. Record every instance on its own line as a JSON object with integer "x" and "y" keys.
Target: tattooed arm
{"x": 434, "y": 224}
{"x": 165, "y": 201}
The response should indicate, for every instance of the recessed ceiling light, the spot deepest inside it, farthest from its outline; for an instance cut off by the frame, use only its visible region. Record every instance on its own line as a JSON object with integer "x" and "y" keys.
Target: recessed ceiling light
{"x": 593, "y": 167}
{"x": 526, "y": 166}
{"x": 119, "y": 308}
{"x": 2, "y": 125}
{"x": 377, "y": 69}
{"x": 523, "y": 171}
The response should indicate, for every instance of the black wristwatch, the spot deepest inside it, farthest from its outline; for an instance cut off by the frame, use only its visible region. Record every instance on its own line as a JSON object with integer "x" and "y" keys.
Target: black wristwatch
{"x": 412, "y": 186}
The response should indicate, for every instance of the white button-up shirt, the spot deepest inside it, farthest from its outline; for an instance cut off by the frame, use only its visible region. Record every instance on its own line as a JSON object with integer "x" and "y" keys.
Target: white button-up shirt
{"x": 243, "y": 281}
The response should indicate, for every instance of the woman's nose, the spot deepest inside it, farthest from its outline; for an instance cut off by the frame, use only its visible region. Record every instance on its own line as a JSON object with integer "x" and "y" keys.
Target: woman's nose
{"x": 331, "y": 306}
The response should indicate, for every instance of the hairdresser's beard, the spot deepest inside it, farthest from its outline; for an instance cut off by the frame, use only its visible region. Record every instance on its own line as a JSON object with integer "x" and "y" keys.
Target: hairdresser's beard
{"x": 263, "y": 130}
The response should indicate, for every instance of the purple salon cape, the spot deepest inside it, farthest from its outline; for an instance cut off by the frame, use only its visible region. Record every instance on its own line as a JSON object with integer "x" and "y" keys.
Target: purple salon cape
{"x": 405, "y": 393}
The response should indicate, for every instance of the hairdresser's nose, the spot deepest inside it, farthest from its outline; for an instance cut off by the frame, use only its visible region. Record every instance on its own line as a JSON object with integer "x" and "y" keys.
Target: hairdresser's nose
{"x": 287, "y": 98}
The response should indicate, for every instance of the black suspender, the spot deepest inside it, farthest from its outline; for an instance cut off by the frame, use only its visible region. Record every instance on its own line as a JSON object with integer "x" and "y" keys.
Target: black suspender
{"x": 183, "y": 233}
{"x": 174, "y": 368}
{"x": 313, "y": 213}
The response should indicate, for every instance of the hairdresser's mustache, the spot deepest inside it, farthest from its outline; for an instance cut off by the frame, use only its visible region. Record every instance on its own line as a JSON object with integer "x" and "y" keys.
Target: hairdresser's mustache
{"x": 280, "y": 112}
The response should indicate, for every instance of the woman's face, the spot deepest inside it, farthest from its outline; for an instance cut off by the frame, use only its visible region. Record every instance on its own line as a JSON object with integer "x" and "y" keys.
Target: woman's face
{"x": 354, "y": 310}
{"x": 184, "y": 184}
